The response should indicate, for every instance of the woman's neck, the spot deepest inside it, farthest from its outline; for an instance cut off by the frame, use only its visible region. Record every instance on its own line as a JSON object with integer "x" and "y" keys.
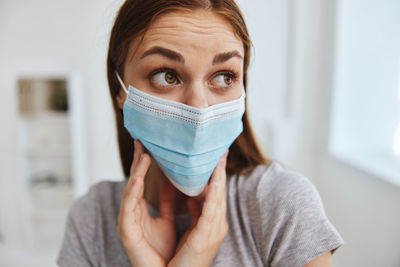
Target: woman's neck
{"x": 152, "y": 186}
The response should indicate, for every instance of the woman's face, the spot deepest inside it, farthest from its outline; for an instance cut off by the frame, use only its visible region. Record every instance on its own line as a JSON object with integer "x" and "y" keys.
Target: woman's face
{"x": 189, "y": 57}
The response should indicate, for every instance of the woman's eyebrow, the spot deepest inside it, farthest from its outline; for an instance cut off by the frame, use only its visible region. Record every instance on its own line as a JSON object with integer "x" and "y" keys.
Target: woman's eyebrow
{"x": 222, "y": 57}
{"x": 164, "y": 52}
{"x": 219, "y": 58}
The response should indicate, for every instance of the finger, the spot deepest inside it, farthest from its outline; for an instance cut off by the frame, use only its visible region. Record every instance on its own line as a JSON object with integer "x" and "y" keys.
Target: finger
{"x": 140, "y": 170}
{"x": 221, "y": 224}
{"x": 138, "y": 150}
{"x": 217, "y": 184}
{"x": 194, "y": 209}
{"x": 130, "y": 215}
{"x": 131, "y": 198}
{"x": 134, "y": 193}
{"x": 218, "y": 180}
{"x": 222, "y": 173}
{"x": 219, "y": 177}
{"x": 167, "y": 197}
{"x": 219, "y": 173}
{"x": 214, "y": 205}
{"x": 209, "y": 208}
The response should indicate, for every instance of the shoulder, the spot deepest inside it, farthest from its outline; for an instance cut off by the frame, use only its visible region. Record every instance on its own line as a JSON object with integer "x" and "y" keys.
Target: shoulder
{"x": 287, "y": 213}
{"x": 286, "y": 189}
{"x": 91, "y": 225}
{"x": 274, "y": 185}
{"x": 277, "y": 196}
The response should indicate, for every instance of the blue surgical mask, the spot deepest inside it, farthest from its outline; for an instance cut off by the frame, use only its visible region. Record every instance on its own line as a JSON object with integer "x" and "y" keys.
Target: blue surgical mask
{"x": 186, "y": 142}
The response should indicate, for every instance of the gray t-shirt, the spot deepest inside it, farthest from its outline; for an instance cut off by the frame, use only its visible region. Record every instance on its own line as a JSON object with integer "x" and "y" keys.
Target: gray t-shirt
{"x": 276, "y": 218}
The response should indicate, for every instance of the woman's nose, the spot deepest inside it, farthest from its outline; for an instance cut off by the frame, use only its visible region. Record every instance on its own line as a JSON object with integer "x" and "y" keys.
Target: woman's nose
{"x": 196, "y": 96}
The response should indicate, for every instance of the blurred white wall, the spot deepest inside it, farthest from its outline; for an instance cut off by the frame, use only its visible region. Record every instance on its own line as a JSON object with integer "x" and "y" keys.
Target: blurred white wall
{"x": 65, "y": 38}
{"x": 289, "y": 97}
{"x": 290, "y": 76}
{"x": 56, "y": 39}
{"x": 363, "y": 199}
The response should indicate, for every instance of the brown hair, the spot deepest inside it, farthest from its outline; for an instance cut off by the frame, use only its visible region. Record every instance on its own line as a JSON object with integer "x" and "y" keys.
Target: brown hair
{"x": 133, "y": 19}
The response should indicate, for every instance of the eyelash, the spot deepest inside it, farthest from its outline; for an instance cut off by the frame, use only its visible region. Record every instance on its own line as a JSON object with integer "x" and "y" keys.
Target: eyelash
{"x": 228, "y": 72}
{"x": 161, "y": 69}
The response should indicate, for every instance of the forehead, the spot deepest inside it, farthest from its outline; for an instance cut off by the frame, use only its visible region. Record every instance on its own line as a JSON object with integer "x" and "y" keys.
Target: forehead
{"x": 201, "y": 31}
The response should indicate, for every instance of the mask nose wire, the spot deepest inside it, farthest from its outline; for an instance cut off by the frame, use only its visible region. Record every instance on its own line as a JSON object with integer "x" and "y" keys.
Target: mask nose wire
{"x": 121, "y": 82}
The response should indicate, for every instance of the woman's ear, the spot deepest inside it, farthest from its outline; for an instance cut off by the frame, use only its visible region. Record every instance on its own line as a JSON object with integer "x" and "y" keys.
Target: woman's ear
{"x": 121, "y": 98}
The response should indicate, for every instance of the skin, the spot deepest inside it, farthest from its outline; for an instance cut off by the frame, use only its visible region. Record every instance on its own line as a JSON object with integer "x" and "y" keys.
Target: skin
{"x": 196, "y": 59}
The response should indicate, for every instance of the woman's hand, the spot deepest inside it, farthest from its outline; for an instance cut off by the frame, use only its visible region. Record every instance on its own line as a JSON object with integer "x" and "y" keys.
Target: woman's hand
{"x": 148, "y": 241}
{"x": 208, "y": 228}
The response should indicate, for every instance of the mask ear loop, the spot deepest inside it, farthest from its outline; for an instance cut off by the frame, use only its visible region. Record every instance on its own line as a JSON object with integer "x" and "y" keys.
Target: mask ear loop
{"x": 121, "y": 82}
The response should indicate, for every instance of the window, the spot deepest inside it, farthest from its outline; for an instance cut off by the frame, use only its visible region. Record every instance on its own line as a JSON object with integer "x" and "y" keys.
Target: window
{"x": 365, "y": 130}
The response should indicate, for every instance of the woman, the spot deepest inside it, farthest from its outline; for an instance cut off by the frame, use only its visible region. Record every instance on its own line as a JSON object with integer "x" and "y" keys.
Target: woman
{"x": 177, "y": 74}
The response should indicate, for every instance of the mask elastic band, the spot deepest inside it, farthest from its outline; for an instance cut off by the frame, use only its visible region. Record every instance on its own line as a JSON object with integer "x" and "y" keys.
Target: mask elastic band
{"x": 121, "y": 82}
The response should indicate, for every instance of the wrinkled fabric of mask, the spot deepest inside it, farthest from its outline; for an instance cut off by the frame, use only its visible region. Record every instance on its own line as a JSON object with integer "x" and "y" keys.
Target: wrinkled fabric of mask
{"x": 186, "y": 142}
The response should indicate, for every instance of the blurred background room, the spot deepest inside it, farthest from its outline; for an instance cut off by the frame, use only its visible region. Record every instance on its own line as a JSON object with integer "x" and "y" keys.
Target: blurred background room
{"x": 323, "y": 98}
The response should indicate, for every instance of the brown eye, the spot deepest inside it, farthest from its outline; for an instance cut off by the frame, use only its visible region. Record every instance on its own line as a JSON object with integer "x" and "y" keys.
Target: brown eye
{"x": 170, "y": 77}
{"x": 228, "y": 79}
{"x": 223, "y": 80}
{"x": 165, "y": 78}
